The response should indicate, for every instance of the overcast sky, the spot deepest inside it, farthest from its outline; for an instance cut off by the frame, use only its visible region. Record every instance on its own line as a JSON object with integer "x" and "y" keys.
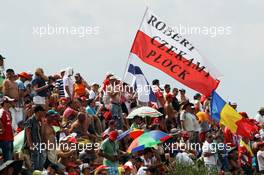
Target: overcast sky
{"x": 238, "y": 54}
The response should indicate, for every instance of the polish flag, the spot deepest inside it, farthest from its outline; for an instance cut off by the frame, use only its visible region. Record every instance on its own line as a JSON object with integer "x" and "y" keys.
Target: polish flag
{"x": 158, "y": 45}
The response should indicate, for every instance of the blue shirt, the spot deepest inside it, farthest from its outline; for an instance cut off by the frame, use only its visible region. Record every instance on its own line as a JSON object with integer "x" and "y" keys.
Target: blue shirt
{"x": 39, "y": 82}
{"x": 90, "y": 110}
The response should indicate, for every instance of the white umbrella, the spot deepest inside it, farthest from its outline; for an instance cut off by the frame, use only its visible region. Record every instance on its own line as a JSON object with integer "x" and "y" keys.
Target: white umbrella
{"x": 143, "y": 112}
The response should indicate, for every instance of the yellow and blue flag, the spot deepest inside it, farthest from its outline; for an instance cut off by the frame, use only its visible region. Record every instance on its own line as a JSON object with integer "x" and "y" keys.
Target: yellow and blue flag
{"x": 222, "y": 112}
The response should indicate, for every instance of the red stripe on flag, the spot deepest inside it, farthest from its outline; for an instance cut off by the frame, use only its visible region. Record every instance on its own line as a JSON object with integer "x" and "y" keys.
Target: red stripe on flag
{"x": 165, "y": 59}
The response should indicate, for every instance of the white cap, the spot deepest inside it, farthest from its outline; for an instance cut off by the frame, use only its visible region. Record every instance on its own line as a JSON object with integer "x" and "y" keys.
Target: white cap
{"x": 94, "y": 83}
{"x": 6, "y": 98}
{"x": 113, "y": 78}
{"x": 108, "y": 74}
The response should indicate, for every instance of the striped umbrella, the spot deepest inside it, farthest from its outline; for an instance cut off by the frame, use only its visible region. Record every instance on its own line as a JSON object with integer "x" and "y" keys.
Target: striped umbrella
{"x": 132, "y": 133}
{"x": 147, "y": 140}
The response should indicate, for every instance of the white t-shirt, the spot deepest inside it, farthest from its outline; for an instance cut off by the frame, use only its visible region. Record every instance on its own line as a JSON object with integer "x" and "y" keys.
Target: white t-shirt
{"x": 260, "y": 157}
{"x": 259, "y": 118}
{"x": 92, "y": 94}
{"x": 209, "y": 148}
{"x": 67, "y": 81}
{"x": 189, "y": 121}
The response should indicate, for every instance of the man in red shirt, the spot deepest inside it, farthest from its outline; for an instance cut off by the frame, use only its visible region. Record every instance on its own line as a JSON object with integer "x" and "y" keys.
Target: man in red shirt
{"x": 6, "y": 131}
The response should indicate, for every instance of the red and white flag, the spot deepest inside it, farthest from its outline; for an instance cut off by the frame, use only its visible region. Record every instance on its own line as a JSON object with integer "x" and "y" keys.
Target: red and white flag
{"x": 159, "y": 45}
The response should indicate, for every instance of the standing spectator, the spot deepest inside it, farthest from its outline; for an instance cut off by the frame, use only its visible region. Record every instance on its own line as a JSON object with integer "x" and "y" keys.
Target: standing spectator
{"x": 23, "y": 92}
{"x": 6, "y": 131}
{"x": 114, "y": 93}
{"x": 110, "y": 151}
{"x": 105, "y": 95}
{"x": 167, "y": 90}
{"x": 2, "y": 74}
{"x": 40, "y": 87}
{"x": 94, "y": 92}
{"x": 68, "y": 84}
{"x": 23, "y": 77}
{"x": 48, "y": 136}
{"x": 260, "y": 157}
{"x": 170, "y": 113}
{"x": 10, "y": 89}
{"x": 189, "y": 122}
{"x": 209, "y": 153}
{"x": 175, "y": 101}
{"x": 33, "y": 138}
{"x": 93, "y": 113}
{"x": 203, "y": 119}
{"x": 80, "y": 86}
{"x": 197, "y": 104}
{"x": 2, "y": 66}
{"x": 260, "y": 116}
{"x": 59, "y": 84}
{"x": 183, "y": 97}
{"x": 159, "y": 95}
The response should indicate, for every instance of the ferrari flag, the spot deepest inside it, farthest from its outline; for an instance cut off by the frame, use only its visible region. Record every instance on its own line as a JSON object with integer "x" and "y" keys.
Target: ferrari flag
{"x": 160, "y": 46}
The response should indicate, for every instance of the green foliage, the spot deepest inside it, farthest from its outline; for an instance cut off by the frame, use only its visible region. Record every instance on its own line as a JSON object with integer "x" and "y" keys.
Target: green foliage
{"x": 176, "y": 168}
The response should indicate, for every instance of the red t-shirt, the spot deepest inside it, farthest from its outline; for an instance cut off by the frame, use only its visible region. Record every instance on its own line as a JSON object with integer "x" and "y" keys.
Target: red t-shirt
{"x": 6, "y": 125}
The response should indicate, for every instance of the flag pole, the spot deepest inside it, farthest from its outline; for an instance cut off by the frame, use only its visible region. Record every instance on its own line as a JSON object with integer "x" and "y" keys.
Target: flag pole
{"x": 128, "y": 60}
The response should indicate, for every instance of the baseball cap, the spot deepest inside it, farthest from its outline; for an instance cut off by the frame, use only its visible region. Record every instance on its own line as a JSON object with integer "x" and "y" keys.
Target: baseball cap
{"x": 24, "y": 75}
{"x": 113, "y": 135}
{"x": 113, "y": 78}
{"x": 72, "y": 140}
{"x": 52, "y": 112}
{"x": 261, "y": 109}
{"x": 94, "y": 84}
{"x": 1, "y": 57}
{"x": 182, "y": 90}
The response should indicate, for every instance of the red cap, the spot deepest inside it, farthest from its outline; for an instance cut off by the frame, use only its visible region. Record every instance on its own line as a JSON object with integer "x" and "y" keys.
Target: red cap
{"x": 24, "y": 75}
{"x": 244, "y": 114}
{"x": 113, "y": 135}
{"x": 72, "y": 140}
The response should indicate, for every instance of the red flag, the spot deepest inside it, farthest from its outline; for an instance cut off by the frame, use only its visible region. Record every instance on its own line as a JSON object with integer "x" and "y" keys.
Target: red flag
{"x": 158, "y": 45}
